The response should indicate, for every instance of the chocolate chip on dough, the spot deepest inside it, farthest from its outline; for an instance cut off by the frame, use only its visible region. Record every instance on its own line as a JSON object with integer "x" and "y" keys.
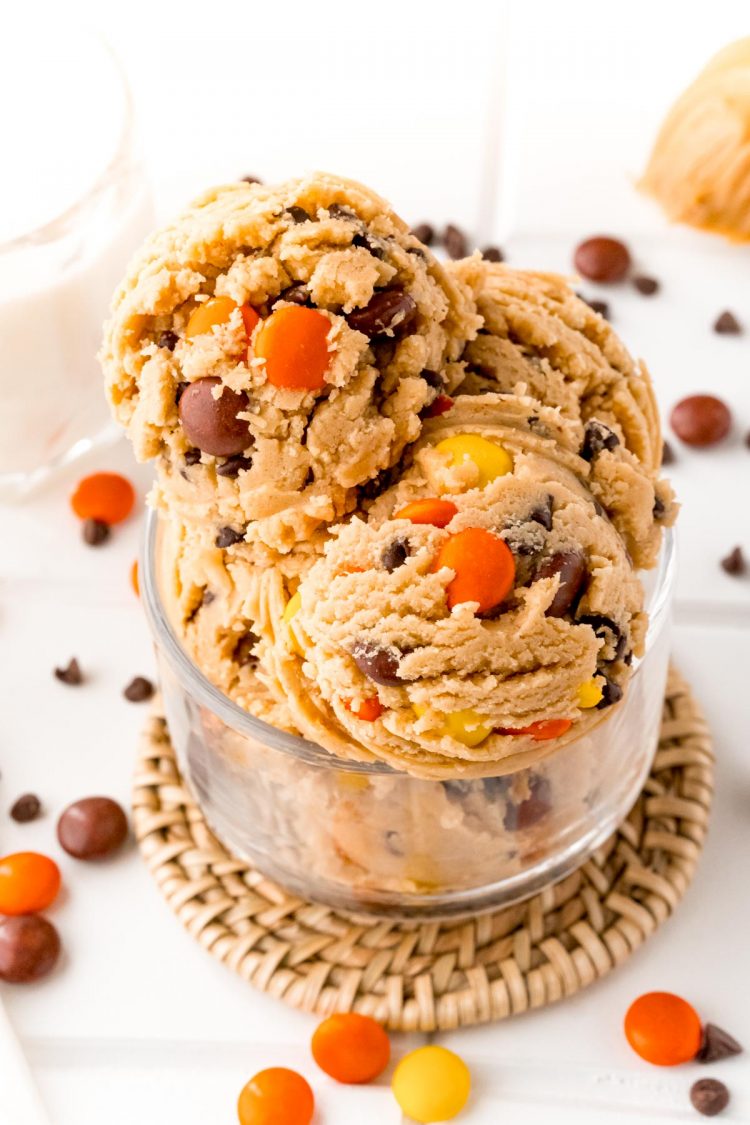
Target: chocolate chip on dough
{"x": 388, "y": 310}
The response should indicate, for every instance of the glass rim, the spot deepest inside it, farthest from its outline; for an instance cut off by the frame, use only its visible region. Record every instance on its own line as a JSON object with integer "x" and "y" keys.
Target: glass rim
{"x": 200, "y": 688}
{"x": 66, "y": 220}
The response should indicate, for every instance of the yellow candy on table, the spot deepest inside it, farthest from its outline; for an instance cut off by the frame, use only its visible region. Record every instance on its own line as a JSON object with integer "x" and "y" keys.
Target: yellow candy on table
{"x": 491, "y": 459}
{"x": 466, "y": 727}
{"x": 293, "y": 606}
{"x": 431, "y": 1084}
{"x": 589, "y": 694}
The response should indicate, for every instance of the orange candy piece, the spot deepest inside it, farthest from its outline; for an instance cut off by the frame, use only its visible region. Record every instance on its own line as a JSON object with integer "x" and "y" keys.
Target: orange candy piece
{"x": 293, "y": 343}
{"x": 276, "y": 1096}
{"x": 663, "y": 1028}
{"x": 484, "y": 568}
{"x": 108, "y": 497}
{"x": 351, "y": 1048}
{"x": 29, "y": 882}
{"x": 437, "y": 512}
{"x": 369, "y": 709}
{"x": 541, "y": 731}
{"x": 217, "y": 310}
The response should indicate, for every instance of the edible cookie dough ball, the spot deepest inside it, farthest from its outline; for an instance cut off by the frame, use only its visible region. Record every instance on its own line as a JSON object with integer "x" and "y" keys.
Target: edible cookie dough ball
{"x": 275, "y": 347}
{"x": 699, "y": 169}
{"x": 539, "y": 339}
{"x": 465, "y": 626}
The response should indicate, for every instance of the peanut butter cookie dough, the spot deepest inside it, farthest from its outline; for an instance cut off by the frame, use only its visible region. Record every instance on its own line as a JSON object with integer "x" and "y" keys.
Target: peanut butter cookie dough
{"x": 274, "y": 349}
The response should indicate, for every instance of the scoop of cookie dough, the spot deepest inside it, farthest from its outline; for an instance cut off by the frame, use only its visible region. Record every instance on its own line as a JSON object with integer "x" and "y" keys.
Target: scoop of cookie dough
{"x": 539, "y": 339}
{"x": 275, "y": 347}
{"x": 483, "y": 607}
{"x": 699, "y": 169}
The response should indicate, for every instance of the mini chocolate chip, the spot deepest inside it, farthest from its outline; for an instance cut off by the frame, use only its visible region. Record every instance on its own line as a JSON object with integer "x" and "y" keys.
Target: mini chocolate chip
{"x": 395, "y": 554}
{"x": 234, "y": 465}
{"x": 179, "y": 392}
{"x": 168, "y": 340}
{"x": 298, "y": 214}
{"x": 602, "y": 259}
{"x": 417, "y": 251}
{"x": 71, "y": 674}
{"x": 646, "y": 286}
{"x": 604, "y": 627}
{"x": 366, "y": 243}
{"x": 95, "y": 532}
{"x": 388, "y": 310}
{"x": 243, "y": 650}
{"x": 527, "y": 813}
{"x": 208, "y": 597}
{"x": 424, "y": 232}
{"x": 597, "y": 306}
{"x": 138, "y": 690}
{"x": 667, "y": 454}
{"x": 659, "y": 509}
{"x": 701, "y": 420}
{"x": 735, "y": 562}
{"x": 747, "y": 439}
{"x": 212, "y": 424}
{"x": 455, "y": 242}
{"x": 457, "y": 790}
{"x": 433, "y": 379}
{"x": 26, "y": 808}
{"x": 542, "y": 514}
{"x": 297, "y": 294}
{"x": 571, "y": 567}
{"x": 228, "y": 536}
{"x": 493, "y": 254}
{"x": 393, "y": 843}
{"x": 597, "y": 437}
{"x": 611, "y": 693}
{"x": 727, "y": 325}
{"x": 192, "y": 456}
{"x": 709, "y": 1096}
{"x": 377, "y": 663}
{"x": 627, "y": 659}
{"x": 250, "y": 180}
{"x": 717, "y": 1044}
{"x": 339, "y": 211}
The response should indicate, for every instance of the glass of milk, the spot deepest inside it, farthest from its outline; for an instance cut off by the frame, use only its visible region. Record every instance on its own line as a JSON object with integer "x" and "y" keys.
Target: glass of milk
{"x": 74, "y": 204}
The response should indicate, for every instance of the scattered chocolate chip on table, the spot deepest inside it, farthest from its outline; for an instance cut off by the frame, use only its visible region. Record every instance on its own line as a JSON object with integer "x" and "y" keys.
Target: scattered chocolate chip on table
{"x": 709, "y": 1096}
{"x": 646, "y": 286}
{"x": 139, "y": 690}
{"x": 425, "y": 232}
{"x": 717, "y": 1044}
{"x": 71, "y": 674}
{"x": 25, "y": 808}
{"x": 455, "y": 242}
{"x": 727, "y": 325}
{"x": 734, "y": 563}
{"x": 95, "y": 532}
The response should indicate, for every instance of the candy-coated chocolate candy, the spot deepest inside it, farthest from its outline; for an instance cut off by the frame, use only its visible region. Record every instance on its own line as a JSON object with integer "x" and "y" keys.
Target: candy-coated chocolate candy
{"x": 590, "y": 693}
{"x": 29, "y": 948}
{"x": 351, "y": 1048}
{"x": 491, "y": 459}
{"x": 368, "y": 710}
{"x": 28, "y": 882}
{"x": 92, "y": 828}
{"x": 439, "y": 513}
{"x": 293, "y": 343}
{"x": 276, "y": 1096}
{"x": 431, "y": 1084}
{"x": 663, "y": 1028}
{"x": 467, "y": 727}
{"x": 107, "y": 497}
{"x": 209, "y": 413}
{"x": 217, "y": 310}
{"x": 484, "y": 568}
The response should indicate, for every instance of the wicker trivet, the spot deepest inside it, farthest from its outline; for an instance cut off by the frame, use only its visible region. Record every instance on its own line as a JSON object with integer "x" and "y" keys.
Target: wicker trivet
{"x": 439, "y": 975}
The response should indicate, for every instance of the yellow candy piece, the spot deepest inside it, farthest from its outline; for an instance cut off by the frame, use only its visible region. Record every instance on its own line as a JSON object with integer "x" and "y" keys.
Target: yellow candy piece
{"x": 293, "y": 606}
{"x": 589, "y": 694}
{"x": 431, "y": 1084}
{"x": 466, "y": 727}
{"x": 216, "y": 311}
{"x": 491, "y": 460}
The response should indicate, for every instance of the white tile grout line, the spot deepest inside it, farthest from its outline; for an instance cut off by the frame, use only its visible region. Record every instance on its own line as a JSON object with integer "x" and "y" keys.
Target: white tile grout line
{"x": 21, "y": 1098}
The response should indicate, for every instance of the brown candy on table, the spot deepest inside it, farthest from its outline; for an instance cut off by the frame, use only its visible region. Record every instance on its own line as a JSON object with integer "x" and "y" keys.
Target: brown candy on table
{"x": 211, "y": 423}
{"x": 709, "y": 1096}
{"x": 26, "y": 808}
{"x": 571, "y": 567}
{"x": 425, "y": 232}
{"x": 717, "y": 1044}
{"x": 455, "y": 241}
{"x": 602, "y": 258}
{"x": 29, "y": 948}
{"x": 727, "y": 324}
{"x": 138, "y": 690}
{"x": 701, "y": 420}
{"x": 734, "y": 563}
{"x": 95, "y": 532}
{"x": 377, "y": 663}
{"x": 390, "y": 310}
{"x": 71, "y": 674}
{"x": 92, "y": 828}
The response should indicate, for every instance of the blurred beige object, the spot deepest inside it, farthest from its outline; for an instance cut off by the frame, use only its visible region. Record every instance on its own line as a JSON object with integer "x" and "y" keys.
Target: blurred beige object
{"x": 699, "y": 170}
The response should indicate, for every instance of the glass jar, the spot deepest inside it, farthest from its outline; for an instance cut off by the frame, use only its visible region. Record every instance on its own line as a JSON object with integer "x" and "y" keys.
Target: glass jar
{"x": 367, "y": 838}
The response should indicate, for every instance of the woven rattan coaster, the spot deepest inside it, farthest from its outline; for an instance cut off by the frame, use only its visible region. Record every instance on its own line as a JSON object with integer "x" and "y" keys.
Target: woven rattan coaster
{"x": 436, "y": 975}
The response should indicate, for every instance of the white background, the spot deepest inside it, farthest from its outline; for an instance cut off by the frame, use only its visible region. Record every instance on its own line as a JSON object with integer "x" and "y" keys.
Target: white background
{"x": 528, "y": 125}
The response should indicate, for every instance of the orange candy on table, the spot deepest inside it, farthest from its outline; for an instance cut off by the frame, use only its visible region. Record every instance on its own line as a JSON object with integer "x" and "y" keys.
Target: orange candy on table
{"x": 29, "y": 882}
{"x": 293, "y": 342}
{"x": 351, "y": 1048}
{"x": 108, "y": 497}
{"x": 663, "y": 1029}
{"x": 276, "y": 1096}
{"x": 484, "y": 568}
{"x": 437, "y": 512}
{"x": 369, "y": 709}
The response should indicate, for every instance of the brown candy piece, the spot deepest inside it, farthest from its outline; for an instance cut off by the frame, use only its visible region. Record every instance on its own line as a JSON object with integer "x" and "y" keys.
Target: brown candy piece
{"x": 717, "y": 1044}
{"x": 29, "y": 948}
{"x": 602, "y": 258}
{"x": 379, "y": 664}
{"x": 390, "y": 310}
{"x": 709, "y": 1096}
{"x": 646, "y": 286}
{"x": 701, "y": 420}
{"x": 92, "y": 828}
{"x": 26, "y": 808}
{"x": 571, "y": 567}
{"x": 211, "y": 423}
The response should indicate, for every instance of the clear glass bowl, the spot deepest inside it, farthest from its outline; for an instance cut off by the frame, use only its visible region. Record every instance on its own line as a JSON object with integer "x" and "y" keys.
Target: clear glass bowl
{"x": 370, "y": 839}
